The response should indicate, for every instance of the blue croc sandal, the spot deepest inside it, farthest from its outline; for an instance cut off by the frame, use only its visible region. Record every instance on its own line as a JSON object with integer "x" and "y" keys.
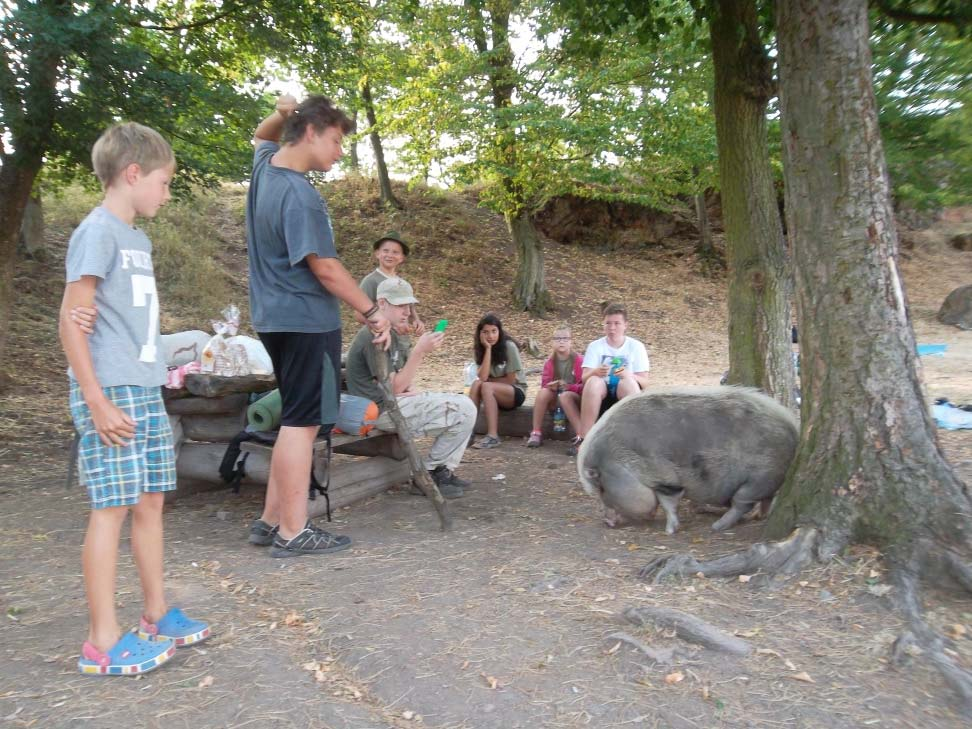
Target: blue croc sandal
{"x": 174, "y": 626}
{"x": 130, "y": 656}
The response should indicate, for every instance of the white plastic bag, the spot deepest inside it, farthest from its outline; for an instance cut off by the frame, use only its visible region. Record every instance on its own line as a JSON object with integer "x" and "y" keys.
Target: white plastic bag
{"x": 221, "y": 356}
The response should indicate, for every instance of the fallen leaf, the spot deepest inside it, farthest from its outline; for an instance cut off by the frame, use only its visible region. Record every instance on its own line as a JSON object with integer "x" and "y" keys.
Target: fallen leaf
{"x": 499, "y": 477}
{"x": 957, "y": 630}
{"x": 802, "y": 676}
{"x": 408, "y": 715}
{"x": 491, "y": 681}
{"x": 745, "y": 578}
{"x": 614, "y": 649}
{"x": 879, "y": 590}
{"x": 705, "y": 692}
{"x": 464, "y": 666}
{"x": 312, "y": 666}
{"x": 768, "y": 652}
{"x": 602, "y": 598}
{"x": 632, "y": 547}
{"x": 674, "y": 677}
{"x": 206, "y": 682}
{"x": 292, "y": 619}
{"x": 748, "y": 633}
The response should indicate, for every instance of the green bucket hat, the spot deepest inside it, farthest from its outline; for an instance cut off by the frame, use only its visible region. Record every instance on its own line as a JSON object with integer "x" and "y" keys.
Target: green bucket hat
{"x": 391, "y": 235}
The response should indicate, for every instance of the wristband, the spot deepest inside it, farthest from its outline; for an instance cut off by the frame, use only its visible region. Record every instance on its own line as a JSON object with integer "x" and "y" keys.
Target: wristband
{"x": 371, "y": 312}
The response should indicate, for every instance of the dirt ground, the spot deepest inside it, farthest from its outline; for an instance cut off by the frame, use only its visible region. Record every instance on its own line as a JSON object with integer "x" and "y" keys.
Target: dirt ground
{"x": 512, "y": 618}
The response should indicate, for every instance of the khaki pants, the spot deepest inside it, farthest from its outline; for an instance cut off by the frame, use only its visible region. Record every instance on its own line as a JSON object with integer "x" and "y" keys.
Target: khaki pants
{"x": 450, "y": 418}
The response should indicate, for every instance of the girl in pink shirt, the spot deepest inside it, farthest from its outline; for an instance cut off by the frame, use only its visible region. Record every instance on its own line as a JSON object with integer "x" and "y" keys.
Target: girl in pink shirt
{"x": 561, "y": 373}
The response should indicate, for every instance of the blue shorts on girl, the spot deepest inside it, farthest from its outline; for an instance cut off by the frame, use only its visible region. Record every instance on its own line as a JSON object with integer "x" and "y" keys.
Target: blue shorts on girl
{"x": 118, "y": 475}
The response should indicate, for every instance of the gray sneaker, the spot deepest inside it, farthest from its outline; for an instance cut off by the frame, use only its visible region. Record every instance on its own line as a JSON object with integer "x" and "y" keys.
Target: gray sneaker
{"x": 311, "y": 540}
{"x": 487, "y": 441}
{"x": 261, "y": 533}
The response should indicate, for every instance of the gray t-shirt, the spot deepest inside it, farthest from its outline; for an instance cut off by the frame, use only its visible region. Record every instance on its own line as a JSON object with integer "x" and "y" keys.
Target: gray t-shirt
{"x": 362, "y": 364}
{"x": 512, "y": 364}
{"x": 287, "y": 220}
{"x": 369, "y": 284}
{"x": 125, "y": 346}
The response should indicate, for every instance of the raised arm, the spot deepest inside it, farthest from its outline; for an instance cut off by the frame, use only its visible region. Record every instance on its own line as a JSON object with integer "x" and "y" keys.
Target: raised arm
{"x": 269, "y": 129}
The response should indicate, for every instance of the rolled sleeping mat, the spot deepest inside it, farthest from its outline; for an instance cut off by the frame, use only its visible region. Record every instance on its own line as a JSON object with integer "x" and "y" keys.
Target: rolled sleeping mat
{"x": 264, "y": 414}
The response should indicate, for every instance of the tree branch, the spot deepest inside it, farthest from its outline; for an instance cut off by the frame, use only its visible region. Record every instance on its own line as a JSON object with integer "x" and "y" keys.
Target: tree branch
{"x": 231, "y": 7}
{"x": 958, "y": 18}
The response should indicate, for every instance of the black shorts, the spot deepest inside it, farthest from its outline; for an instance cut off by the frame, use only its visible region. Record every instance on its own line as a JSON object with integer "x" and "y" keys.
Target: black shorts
{"x": 518, "y": 397}
{"x": 307, "y": 367}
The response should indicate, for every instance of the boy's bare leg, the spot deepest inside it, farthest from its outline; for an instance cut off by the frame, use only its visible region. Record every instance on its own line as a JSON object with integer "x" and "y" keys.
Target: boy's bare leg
{"x": 545, "y": 398}
{"x": 628, "y": 387}
{"x": 290, "y": 467}
{"x": 99, "y": 562}
{"x": 148, "y": 550}
{"x": 271, "y": 503}
{"x": 594, "y": 393}
{"x": 570, "y": 401}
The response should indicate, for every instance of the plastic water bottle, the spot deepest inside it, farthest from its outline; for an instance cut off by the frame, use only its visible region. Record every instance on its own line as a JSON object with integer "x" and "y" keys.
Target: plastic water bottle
{"x": 559, "y": 416}
{"x": 613, "y": 378}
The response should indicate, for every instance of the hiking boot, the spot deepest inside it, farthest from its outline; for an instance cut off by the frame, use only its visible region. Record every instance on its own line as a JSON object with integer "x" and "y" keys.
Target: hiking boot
{"x": 261, "y": 533}
{"x": 442, "y": 474}
{"x": 535, "y": 440}
{"x": 575, "y": 445}
{"x": 487, "y": 441}
{"x": 312, "y": 540}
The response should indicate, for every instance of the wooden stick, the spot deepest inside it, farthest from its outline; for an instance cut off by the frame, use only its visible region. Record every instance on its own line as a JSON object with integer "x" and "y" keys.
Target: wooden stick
{"x": 419, "y": 475}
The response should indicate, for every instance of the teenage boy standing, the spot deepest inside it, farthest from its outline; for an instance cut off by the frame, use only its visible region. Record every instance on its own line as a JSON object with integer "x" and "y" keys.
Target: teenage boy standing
{"x": 296, "y": 281}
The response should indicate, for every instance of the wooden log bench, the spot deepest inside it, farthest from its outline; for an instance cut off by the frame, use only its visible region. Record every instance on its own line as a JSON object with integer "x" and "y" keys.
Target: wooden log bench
{"x": 518, "y": 423}
{"x": 210, "y": 411}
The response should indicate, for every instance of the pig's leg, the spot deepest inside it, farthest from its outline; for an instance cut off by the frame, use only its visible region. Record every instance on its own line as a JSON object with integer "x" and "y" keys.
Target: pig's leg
{"x": 668, "y": 496}
{"x": 741, "y": 505}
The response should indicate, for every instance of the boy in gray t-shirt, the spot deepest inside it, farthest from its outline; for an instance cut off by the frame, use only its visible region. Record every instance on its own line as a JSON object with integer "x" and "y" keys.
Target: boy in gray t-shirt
{"x": 125, "y": 450}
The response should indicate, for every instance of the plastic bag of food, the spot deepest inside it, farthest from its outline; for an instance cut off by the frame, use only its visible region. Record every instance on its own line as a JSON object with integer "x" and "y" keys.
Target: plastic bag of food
{"x": 221, "y": 356}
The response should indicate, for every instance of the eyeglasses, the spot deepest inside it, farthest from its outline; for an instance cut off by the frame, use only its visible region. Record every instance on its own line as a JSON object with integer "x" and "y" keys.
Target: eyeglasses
{"x": 561, "y": 339}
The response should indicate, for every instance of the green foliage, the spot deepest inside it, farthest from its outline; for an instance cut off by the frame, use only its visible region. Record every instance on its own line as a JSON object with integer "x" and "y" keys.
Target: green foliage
{"x": 923, "y": 84}
{"x": 191, "y": 69}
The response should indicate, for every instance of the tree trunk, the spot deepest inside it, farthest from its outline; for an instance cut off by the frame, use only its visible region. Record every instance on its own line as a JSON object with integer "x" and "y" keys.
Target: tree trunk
{"x": 17, "y": 174}
{"x": 759, "y": 283}
{"x": 355, "y": 162}
{"x": 31, "y": 243}
{"x": 529, "y": 290}
{"x": 704, "y": 249}
{"x": 384, "y": 182}
{"x": 868, "y": 468}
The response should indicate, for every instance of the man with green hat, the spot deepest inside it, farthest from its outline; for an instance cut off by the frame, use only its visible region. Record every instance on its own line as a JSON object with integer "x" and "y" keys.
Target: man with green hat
{"x": 390, "y": 252}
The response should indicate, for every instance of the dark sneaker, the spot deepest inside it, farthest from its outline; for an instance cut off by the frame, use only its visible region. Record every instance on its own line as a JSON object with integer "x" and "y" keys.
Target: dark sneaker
{"x": 448, "y": 490}
{"x": 575, "y": 445}
{"x": 311, "y": 540}
{"x": 261, "y": 533}
{"x": 442, "y": 474}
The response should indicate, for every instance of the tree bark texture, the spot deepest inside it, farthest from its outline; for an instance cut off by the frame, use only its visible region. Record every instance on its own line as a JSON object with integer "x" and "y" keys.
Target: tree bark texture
{"x": 529, "y": 289}
{"x": 705, "y": 250}
{"x": 17, "y": 176}
{"x": 355, "y": 161}
{"x": 868, "y": 468}
{"x": 759, "y": 277}
{"x": 384, "y": 181}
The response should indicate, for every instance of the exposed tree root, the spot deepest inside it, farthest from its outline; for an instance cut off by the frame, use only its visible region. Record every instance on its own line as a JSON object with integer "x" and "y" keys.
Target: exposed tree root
{"x": 786, "y": 557}
{"x": 923, "y": 636}
{"x": 665, "y": 656}
{"x": 689, "y": 628}
{"x": 805, "y": 545}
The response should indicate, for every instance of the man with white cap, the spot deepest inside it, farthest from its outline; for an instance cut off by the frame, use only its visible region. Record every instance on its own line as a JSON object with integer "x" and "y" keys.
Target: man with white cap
{"x": 448, "y": 417}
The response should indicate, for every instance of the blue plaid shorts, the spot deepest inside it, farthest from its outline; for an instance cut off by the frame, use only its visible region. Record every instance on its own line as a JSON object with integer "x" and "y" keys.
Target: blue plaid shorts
{"x": 117, "y": 475}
